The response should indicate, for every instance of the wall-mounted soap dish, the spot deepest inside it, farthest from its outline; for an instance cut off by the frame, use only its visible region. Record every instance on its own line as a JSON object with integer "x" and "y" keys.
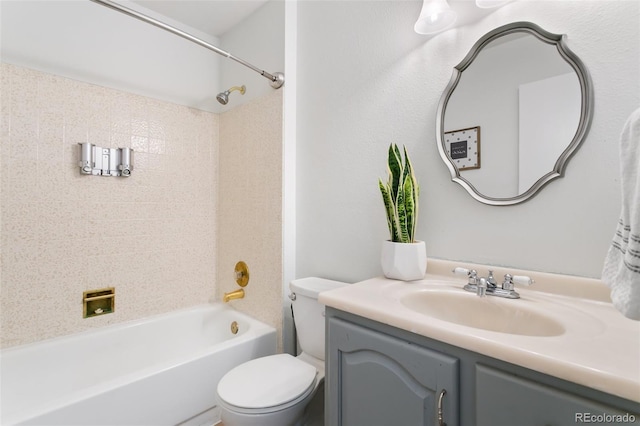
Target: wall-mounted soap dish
{"x": 98, "y": 302}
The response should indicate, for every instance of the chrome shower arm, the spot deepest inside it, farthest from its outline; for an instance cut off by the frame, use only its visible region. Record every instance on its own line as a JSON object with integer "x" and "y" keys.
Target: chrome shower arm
{"x": 277, "y": 79}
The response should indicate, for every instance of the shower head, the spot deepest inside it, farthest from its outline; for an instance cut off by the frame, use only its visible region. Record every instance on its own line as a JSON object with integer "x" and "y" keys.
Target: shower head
{"x": 223, "y": 97}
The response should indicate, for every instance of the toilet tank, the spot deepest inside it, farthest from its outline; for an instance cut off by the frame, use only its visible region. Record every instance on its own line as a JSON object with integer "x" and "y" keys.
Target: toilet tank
{"x": 308, "y": 314}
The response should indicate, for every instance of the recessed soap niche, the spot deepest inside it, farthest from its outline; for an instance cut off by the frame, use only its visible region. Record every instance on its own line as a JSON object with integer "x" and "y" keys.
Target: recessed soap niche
{"x": 98, "y": 302}
{"x": 99, "y": 161}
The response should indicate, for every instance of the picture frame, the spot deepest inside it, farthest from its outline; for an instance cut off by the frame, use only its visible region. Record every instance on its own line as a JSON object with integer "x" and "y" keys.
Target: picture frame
{"x": 463, "y": 147}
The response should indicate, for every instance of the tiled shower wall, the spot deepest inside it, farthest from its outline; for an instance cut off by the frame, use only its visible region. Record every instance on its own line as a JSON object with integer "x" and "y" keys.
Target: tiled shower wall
{"x": 151, "y": 236}
{"x": 250, "y": 206}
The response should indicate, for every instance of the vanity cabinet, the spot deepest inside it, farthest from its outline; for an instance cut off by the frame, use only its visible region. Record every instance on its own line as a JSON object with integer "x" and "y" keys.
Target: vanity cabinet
{"x": 531, "y": 403}
{"x": 379, "y": 375}
{"x": 377, "y": 379}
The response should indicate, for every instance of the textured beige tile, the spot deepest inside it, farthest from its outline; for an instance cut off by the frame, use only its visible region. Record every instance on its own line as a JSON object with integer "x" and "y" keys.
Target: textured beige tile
{"x": 167, "y": 237}
{"x": 249, "y": 203}
{"x": 150, "y": 235}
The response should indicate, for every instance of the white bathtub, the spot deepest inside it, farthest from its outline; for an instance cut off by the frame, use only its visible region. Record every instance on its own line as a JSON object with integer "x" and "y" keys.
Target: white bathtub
{"x": 162, "y": 370}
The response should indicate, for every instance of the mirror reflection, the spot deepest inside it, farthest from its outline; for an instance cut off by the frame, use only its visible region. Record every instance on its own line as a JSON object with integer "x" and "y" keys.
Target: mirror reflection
{"x": 516, "y": 108}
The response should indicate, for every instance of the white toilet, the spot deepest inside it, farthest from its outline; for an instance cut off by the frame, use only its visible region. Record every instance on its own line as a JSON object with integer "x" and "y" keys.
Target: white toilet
{"x": 274, "y": 390}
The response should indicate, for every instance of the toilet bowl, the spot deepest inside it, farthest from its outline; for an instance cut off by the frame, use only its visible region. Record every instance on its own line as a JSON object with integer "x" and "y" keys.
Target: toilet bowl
{"x": 275, "y": 390}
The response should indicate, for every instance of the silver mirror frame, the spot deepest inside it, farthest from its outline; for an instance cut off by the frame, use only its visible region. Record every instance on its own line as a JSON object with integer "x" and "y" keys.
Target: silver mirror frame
{"x": 586, "y": 110}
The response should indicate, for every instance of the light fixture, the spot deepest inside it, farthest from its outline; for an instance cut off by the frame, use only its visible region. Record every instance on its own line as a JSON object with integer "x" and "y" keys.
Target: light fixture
{"x": 488, "y": 4}
{"x": 435, "y": 16}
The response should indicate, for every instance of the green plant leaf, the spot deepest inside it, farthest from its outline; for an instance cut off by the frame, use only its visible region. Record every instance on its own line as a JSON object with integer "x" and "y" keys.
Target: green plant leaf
{"x": 406, "y": 168}
{"x": 400, "y": 195}
{"x": 403, "y": 231}
{"x": 415, "y": 193}
{"x": 416, "y": 198}
{"x": 389, "y": 207}
{"x": 394, "y": 164}
{"x": 409, "y": 207}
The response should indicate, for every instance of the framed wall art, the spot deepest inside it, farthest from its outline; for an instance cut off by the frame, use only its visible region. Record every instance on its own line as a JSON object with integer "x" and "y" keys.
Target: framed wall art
{"x": 463, "y": 146}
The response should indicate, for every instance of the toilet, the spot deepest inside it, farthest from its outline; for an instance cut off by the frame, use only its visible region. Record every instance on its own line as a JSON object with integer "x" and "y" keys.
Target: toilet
{"x": 275, "y": 390}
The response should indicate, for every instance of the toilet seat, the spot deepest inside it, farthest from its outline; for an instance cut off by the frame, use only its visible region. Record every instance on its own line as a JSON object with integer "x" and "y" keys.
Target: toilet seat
{"x": 267, "y": 384}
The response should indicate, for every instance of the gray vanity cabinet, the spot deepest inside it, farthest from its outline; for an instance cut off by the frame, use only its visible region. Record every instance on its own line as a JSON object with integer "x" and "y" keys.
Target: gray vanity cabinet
{"x": 531, "y": 404}
{"x": 374, "y": 379}
{"x": 379, "y": 375}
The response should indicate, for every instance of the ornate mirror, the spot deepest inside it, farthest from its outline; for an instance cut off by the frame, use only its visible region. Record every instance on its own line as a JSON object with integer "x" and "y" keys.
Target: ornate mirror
{"x": 517, "y": 107}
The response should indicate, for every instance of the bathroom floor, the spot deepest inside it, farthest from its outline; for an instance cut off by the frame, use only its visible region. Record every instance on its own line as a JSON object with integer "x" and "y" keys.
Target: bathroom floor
{"x": 316, "y": 409}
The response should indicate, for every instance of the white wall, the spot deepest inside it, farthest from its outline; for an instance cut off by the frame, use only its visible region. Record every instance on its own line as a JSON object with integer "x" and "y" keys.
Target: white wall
{"x": 88, "y": 42}
{"x": 545, "y": 128}
{"x": 365, "y": 79}
{"x": 259, "y": 40}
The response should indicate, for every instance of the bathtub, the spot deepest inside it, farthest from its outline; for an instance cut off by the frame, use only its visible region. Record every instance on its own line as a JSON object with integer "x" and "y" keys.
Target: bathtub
{"x": 161, "y": 370}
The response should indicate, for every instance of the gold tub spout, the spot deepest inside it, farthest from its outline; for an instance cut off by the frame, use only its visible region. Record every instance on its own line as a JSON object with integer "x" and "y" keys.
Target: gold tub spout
{"x": 238, "y": 294}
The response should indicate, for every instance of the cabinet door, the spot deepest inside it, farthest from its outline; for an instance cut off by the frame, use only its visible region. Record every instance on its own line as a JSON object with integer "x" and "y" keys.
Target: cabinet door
{"x": 374, "y": 379}
{"x": 503, "y": 399}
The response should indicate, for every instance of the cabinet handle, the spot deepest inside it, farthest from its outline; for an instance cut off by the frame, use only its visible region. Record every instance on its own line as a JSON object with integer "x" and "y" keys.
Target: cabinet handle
{"x": 440, "y": 415}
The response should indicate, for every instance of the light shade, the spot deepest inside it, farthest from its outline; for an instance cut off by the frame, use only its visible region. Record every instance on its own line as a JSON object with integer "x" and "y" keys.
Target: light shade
{"x": 435, "y": 16}
{"x": 488, "y": 4}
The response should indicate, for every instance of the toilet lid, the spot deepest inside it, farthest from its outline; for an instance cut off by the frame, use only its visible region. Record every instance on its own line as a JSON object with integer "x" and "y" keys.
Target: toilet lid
{"x": 266, "y": 382}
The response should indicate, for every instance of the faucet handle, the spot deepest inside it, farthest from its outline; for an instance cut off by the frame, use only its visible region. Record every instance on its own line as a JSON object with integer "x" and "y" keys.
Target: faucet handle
{"x": 460, "y": 271}
{"x": 471, "y": 273}
{"x": 507, "y": 284}
{"x": 522, "y": 280}
{"x": 510, "y": 280}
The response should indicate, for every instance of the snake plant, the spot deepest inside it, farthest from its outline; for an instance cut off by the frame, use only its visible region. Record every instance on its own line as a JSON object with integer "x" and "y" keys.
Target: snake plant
{"x": 400, "y": 195}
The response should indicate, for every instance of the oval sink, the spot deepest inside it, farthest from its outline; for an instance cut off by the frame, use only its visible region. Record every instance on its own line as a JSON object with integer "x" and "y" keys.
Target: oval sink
{"x": 487, "y": 313}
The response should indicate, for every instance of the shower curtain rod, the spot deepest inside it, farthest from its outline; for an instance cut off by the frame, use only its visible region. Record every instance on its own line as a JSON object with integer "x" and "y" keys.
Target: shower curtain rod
{"x": 277, "y": 79}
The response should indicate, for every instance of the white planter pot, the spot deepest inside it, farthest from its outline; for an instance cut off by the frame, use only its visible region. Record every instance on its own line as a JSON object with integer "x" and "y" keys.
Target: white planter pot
{"x": 404, "y": 261}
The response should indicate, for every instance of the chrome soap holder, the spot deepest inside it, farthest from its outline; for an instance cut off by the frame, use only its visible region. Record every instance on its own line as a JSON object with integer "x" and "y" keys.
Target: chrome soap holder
{"x": 95, "y": 160}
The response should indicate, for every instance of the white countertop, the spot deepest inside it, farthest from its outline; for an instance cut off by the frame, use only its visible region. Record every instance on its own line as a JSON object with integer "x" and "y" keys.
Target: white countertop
{"x": 599, "y": 349}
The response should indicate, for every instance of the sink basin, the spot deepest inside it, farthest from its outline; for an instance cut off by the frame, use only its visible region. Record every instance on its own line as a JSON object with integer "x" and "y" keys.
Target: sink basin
{"x": 487, "y": 313}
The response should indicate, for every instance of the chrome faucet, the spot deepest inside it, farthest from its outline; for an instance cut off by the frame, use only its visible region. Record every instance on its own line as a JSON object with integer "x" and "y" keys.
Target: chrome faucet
{"x": 491, "y": 281}
{"x": 481, "y": 287}
{"x": 489, "y": 286}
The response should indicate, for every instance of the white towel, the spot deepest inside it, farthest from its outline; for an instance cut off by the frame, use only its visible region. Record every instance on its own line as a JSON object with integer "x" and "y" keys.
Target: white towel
{"x": 621, "y": 270}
